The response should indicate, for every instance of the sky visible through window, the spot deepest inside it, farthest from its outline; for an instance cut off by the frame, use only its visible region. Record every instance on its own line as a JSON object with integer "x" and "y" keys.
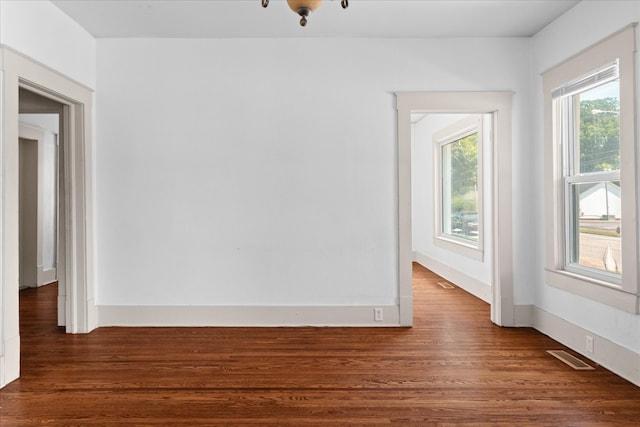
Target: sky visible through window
{"x": 610, "y": 90}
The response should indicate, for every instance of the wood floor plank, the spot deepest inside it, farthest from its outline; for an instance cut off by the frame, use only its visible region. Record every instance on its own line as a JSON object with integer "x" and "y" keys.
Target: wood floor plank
{"x": 454, "y": 367}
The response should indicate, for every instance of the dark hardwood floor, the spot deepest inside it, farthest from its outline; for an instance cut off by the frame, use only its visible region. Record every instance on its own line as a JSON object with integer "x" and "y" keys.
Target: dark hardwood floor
{"x": 454, "y": 367}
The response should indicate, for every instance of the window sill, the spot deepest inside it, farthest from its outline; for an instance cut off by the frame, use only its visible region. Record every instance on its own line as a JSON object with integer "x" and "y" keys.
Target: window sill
{"x": 459, "y": 247}
{"x": 596, "y": 290}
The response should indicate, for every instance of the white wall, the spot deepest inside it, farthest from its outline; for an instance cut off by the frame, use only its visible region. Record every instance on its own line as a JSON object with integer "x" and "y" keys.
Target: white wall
{"x": 472, "y": 274}
{"x": 28, "y": 179}
{"x": 262, "y": 172}
{"x": 49, "y": 122}
{"x": 602, "y": 18}
{"x": 40, "y": 30}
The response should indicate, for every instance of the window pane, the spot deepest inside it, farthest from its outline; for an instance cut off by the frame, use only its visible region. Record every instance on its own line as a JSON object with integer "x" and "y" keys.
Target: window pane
{"x": 595, "y": 225}
{"x": 599, "y": 139}
{"x": 460, "y": 188}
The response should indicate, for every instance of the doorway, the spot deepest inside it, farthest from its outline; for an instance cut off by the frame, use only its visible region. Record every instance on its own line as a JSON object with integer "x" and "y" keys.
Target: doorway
{"x": 38, "y": 134}
{"x": 75, "y": 244}
{"x": 38, "y": 209}
{"x": 451, "y": 197}
{"x": 498, "y": 106}
{"x": 40, "y": 243}
{"x": 41, "y": 120}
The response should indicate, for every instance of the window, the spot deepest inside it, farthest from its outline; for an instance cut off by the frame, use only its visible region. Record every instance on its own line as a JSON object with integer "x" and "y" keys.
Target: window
{"x": 590, "y": 178}
{"x": 588, "y": 128}
{"x": 458, "y": 153}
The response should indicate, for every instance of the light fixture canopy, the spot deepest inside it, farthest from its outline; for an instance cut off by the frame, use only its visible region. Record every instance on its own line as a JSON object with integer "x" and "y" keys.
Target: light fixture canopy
{"x": 305, "y": 7}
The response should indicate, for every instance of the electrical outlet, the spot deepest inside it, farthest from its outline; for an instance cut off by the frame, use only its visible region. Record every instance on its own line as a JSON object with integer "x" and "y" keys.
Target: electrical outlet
{"x": 589, "y": 344}
{"x": 378, "y": 314}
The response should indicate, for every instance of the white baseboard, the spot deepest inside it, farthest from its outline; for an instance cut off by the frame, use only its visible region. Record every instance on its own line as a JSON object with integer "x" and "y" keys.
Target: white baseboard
{"x": 10, "y": 361}
{"x": 258, "y": 316}
{"x": 470, "y": 284}
{"x": 523, "y": 315}
{"x": 62, "y": 310}
{"x": 406, "y": 314}
{"x": 620, "y": 360}
{"x": 47, "y": 276}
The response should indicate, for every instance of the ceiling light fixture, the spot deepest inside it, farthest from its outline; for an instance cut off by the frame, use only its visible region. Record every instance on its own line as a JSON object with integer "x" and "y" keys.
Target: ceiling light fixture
{"x": 305, "y": 7}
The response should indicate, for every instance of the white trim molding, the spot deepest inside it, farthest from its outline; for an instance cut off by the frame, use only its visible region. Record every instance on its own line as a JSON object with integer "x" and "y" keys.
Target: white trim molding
{"x": 247, "y": 316}
{"x": 498, "y": 104}
{"x": 523, "y": 315}
{"x": 10, "y": 361}
{"x": 19, "y": 71}
{"x": 614, "y": 357}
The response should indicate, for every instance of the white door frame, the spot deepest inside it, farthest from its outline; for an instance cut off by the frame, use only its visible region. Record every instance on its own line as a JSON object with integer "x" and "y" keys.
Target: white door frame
{"x": 499, "y": 104}
{"x": 36, "y": 135}
{"x": 77, "y": 230}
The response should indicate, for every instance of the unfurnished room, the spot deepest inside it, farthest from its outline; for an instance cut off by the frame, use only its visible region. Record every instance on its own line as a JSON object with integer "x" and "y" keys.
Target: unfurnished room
{"x": 307, "y": 212}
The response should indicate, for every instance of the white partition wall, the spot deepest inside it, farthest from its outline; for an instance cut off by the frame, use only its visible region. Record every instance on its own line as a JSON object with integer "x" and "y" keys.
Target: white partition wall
{"x": 230, "y": 181}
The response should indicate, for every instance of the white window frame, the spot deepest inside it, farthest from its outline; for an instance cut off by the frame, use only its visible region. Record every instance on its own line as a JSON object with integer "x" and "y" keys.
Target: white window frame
{"x": 460, "y": 129}
{"x": 567, "y": 135}
{"x": 623, "y": 293}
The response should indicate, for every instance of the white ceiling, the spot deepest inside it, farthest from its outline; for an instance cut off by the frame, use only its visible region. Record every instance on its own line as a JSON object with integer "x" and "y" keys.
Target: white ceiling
{"x": 363, "y": 18}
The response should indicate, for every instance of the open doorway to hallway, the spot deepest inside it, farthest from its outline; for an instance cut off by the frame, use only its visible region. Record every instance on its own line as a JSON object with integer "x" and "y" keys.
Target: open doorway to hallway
{"x": 498, "y": 106}
{"x": 38, "y": 216}
{"x": 40, "y": 125}
{"x": 22, "y": 77}
{"x": 451, "y": 197}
